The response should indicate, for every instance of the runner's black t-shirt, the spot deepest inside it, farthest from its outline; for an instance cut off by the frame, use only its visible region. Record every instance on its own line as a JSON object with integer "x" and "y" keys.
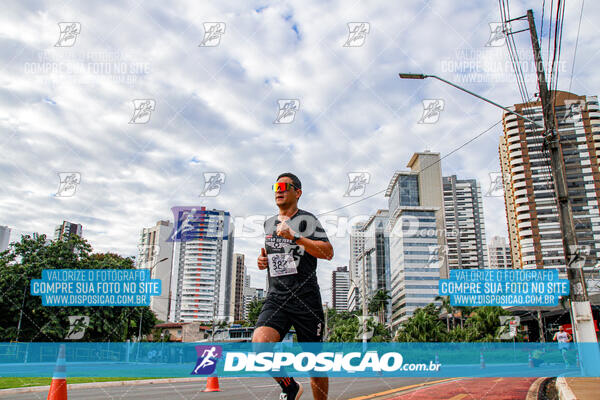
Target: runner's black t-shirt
{"x": 292, "y": 271}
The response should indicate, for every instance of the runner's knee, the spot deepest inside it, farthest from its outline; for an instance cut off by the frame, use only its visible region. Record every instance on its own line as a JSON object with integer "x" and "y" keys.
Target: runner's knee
{"x": 265, "y": 334}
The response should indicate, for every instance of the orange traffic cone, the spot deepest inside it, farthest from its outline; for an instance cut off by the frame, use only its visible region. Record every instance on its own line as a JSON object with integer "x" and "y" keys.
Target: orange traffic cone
{"x": 212, "y": 384}
{"x": 481, "y": 360}
{"x": 58, "y": 387}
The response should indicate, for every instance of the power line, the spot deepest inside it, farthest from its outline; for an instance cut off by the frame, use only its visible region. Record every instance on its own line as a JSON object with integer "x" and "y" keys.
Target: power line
{"x": 430, "y": 165}
{"x": 576, "y": 42}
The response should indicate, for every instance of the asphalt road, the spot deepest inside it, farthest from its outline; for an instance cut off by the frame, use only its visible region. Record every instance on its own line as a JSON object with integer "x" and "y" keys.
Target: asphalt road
{"x": 233, "y": 388}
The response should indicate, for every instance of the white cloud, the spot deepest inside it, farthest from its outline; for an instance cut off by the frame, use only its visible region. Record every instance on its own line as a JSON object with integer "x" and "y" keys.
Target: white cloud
{"x": 216, "y": 106}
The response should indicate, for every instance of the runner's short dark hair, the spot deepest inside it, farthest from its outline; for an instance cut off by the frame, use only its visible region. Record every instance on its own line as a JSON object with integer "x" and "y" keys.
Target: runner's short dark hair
{"x": 294, "y": 178}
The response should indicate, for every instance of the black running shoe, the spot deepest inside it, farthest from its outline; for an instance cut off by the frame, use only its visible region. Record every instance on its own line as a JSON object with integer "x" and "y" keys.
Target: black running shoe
{"x": 293, "y": 393}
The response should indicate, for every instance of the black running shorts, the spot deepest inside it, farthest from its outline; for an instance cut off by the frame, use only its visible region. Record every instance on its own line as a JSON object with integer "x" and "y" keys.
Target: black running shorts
{"x": 305, "y": 314}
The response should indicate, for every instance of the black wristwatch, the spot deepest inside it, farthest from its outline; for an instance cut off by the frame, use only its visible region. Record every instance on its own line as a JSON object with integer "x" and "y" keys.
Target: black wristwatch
{"x": 296, "y": 236}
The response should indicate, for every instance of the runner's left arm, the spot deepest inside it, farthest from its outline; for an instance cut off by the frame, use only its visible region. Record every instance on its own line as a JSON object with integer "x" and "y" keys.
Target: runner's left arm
{"x": 317, "y": 248}
{"x": 316, "y": 242}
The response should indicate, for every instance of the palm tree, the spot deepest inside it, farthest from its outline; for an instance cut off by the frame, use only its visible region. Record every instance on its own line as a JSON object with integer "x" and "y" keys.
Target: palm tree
{"x": 448, "y": 310}
{"x": 378, "y": 304}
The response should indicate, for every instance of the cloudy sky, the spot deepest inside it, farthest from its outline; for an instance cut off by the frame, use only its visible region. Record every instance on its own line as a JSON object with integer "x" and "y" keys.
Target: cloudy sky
{"x": 71, "y": 71}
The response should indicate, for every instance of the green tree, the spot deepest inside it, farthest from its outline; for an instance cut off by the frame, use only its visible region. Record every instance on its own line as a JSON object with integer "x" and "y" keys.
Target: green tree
{"x": 254, "y": 309}
{"x": 483, "y": 324}
{"x": 343, "y": 326}
{"x": 447, "y": 309}
{"x": 423, "y": 326}
{"x": 25, "y": 260}
{"x": 378, "y": 303}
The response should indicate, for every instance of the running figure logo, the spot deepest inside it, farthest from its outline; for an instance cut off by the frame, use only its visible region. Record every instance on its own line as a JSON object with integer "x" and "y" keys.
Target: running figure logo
{"x": 68, "y": 183}
{"x": 497, "y": 34}
{"x": 142, "y": 109}
{"x": 357, "y": 34}
{"x": 207, "y": 359}
{"x": 496, "y": 187}
{"x": 212, "y": 183}
{"x": 357, "y": 183}
{"x": 68, "y": 34}
{"x": 432, "y": 109}
{"x": 212, "y": 34}
{"x": 287, "y": 111}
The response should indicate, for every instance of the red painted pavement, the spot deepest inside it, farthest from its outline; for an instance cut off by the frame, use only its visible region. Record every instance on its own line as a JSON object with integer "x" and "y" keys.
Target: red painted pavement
{"x": 473, "y": 389}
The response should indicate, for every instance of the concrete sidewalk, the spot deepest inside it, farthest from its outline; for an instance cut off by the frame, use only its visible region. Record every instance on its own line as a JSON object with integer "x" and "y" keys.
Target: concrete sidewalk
{"x": 578, "y": 388}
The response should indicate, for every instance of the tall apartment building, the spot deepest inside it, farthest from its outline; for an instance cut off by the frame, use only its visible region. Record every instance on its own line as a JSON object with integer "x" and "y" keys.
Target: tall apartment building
{"x": 357, "y": 246}
{"x": 340, "y": 284}
{"x": 202, "y": 267}
{"x": 155, "y": 252}
{"x": 417, "y": 233}
{"x": 237, "y": 287}
{"x": 465, "y": 228}
{"x": 499, "y": 256}
{"x": 67, "y": 229}
{"x": 250, "y": 294}
{"x": 4, "y": 237}
{"x": 376, "y": 249}
{"x": 532, "y": 214}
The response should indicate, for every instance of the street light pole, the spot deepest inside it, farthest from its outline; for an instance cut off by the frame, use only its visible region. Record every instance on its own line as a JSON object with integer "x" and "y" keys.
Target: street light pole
{"x": 141, "y": 309}
{"x": 508, "y": 110}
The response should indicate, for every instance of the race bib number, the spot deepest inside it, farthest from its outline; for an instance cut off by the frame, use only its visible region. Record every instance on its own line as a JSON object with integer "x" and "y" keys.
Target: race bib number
{"x": 281, "y": 264}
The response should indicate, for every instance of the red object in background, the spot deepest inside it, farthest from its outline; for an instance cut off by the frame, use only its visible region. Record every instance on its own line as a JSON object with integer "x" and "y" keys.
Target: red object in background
{"x": 569, "y": 328}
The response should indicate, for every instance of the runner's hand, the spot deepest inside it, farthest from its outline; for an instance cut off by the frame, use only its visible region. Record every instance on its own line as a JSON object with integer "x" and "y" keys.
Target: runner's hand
{"x": 263, "y": 262}
{"x": 284, "y": 231}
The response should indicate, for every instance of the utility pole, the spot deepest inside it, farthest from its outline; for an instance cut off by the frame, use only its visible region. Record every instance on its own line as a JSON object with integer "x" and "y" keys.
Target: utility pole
{"x": 326, "y": 317}
{"x": 583, "y": 323}
{"x": 364, "y": 300}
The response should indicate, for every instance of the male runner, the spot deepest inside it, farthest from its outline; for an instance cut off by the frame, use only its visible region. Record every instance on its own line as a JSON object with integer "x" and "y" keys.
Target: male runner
{"x": 563, "y": 338}
{"x": 294, "y": 239}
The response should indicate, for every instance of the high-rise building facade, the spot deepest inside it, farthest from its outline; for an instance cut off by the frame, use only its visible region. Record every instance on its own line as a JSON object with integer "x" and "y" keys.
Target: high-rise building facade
{"x": 465, "y": 228}
{"x": 237, "y": 287}
{"x": 531, "y": 208}
{"x": 4, "y": 237}
{"x": 357, "y": 246}
{"x": 202, "y": 267}
{"x": 340, "y": 284}
{"x": 155, "y": 252}
{"x": 417, "y": 233}
{"x": 499, "y": 256}
{"x": 66, "y": 229}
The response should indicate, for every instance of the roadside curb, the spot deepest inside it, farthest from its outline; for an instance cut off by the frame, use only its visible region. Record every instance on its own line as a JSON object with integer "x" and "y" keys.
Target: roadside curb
{"x": 534, "y": 389}
{"x": 564, "y": 391}
{"x": 91, "y": 385}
